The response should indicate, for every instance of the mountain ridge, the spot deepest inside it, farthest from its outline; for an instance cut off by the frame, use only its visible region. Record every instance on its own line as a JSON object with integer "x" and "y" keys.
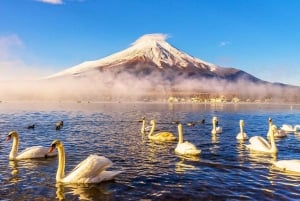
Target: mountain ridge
{"x": 152, "y": 50}
{"x": 151, "y": 65}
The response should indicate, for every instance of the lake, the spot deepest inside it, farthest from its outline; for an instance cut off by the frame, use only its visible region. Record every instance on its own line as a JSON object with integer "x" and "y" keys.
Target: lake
{"x": 225, "y": 169}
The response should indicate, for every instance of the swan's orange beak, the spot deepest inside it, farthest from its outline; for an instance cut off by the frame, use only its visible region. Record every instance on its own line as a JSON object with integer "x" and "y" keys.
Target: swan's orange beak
{"x": 8, "y": 138}
{"x": 51, "y": 148}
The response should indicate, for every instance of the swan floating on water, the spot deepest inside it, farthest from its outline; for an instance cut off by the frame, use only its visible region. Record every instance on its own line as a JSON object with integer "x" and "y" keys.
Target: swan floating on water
{"x": 216, "y": 129}
{"x": 146, "y": 128}
{"x": 160, "y": 136}
{"x": 259, "y": 144}
{"x": 288, "y": 165}
{"x": 29, "y": 153}
{"x": 279, "y": 133}
{"x": 289, "y": 128}
{"x": 242, "y": 135}
{"x": 185, "y": 148}
{"x": 90, "y": 170}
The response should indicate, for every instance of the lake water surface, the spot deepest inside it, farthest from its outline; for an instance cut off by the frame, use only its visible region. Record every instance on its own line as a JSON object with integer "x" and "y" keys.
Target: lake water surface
{"x": 225, "y": 170}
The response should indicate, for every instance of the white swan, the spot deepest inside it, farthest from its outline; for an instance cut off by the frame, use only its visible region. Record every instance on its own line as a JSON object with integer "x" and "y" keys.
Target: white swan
{"x": 29, "y": 153}
{"x": 289, "y": 128}
{"x": 160, "y": 136}
{"x": 259, "y": 144}
{"x": 242, "y": 135}
{"x": 185, "y": 148}
{"x": 90, "y": 170}
{"x": 278, "y": 134}
{"x": 288, "y": 165}
{"x": 216, "y": 129}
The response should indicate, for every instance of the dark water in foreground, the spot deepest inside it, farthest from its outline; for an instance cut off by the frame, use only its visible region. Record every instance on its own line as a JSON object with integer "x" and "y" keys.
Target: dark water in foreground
{"x": 225, "y": 170}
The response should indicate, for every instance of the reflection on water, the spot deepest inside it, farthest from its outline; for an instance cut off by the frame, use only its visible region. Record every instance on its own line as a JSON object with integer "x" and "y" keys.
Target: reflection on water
{"x": 83, "y": 191}
{"x": 13, "y": 165}
{"x": 225, "y": 169}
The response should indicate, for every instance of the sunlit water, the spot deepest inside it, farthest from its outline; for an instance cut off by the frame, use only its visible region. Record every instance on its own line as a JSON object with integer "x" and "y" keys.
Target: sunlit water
{"x": 225, "y": 170}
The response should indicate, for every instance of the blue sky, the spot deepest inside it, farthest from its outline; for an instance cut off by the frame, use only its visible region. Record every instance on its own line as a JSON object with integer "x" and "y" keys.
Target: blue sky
{"x": 261, "y": 37}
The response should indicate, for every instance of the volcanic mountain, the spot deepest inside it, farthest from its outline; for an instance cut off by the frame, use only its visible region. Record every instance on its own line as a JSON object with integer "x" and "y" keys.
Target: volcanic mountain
{"x": 153, "y": 66}
{"x": 152, "y": 54}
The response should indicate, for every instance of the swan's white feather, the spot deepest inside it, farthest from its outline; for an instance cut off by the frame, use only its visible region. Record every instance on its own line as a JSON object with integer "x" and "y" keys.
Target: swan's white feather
{"x": 35, "y": 152}
{"x": 258, "y": 143}
{"x": 90, "y": 170}
{"x": 242, "y": 136}
{"x": 187, "y": 148}
{"x": 288, "y": 165}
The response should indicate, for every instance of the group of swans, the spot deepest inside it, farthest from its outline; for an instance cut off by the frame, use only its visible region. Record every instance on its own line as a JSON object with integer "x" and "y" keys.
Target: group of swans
{"x": 183, "y": 148}
{"x": 279, "y": 133}
{"x": 256, "y": 143}
{"x": 289, "y": 128}
{"x": 261, "y": 145}
{"x": 90, "y": 170}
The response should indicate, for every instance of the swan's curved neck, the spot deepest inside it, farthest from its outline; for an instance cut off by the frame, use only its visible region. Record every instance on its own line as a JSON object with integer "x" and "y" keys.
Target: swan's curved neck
{"x": 143, "y": 126}
{"x": 15, "y": 146}
{"x": 152, "y": 129}
{"x": 272, "y": 141}
{"x": 180, "y": 134}
{"x": 214, "y": 127}
{"x": 61, "y": 163}
{"x": 242, "y": 129}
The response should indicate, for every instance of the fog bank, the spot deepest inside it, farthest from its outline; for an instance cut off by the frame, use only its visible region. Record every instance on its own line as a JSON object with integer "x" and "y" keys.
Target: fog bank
{"x": 105, "y": 86}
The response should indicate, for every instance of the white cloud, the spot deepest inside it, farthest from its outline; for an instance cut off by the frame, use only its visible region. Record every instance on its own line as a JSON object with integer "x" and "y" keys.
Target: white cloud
{"x": 7, "y": 43}
{"x": 12, "y": 64}
{"x": 152, "y": 37}
{"x": 224, "y": 43}
{"x": 52, "y": 1}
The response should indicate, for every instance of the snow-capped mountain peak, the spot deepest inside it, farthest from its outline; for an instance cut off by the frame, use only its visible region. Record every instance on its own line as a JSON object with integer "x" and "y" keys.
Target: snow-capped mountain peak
{"x": 148, "y": 48}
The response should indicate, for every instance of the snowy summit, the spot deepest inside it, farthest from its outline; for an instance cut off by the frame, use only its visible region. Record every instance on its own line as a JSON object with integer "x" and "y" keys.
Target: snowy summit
{"x": 151, "y": 53}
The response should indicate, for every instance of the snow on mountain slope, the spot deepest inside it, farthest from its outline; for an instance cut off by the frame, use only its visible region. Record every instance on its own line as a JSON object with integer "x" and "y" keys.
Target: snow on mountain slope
{"x": 152, "y": 50}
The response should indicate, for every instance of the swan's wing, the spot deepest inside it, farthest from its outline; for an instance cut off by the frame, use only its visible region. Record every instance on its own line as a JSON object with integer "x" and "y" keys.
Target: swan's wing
{"x": 187, "y": 148}
{"x": 104, "y": 176}
{"x": 88, "y": 169}
{"x": 287, "y": 127}
{"x": 35, "y": 152}
{"x": 289, "y": 165}
{"x": 259, "y": 143}
{"x": 297, "y": 127}
{"x": 163, "y": 136}
{"x": 280, "y": 133}
{"x": 219, "y": 129}
{"x": 242, "y": 136}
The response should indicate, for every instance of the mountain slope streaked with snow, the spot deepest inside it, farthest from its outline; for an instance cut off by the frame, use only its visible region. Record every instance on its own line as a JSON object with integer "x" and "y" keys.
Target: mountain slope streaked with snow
{"x": 151, "y": 53}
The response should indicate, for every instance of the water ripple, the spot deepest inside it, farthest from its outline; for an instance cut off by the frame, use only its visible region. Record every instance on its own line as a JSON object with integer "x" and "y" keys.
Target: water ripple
{"x": 225, "y": 170}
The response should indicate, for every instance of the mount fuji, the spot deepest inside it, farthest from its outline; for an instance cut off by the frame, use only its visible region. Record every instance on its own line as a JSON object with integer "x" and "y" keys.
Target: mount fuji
{"x": 153, "y": 67}
{"x": 152, "y": 54}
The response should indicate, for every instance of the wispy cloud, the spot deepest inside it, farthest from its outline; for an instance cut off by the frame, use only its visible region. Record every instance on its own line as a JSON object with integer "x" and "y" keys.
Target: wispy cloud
{"x": 224, "y": 43}
{"x": 8, "y": 43}
{"x": 51, "y": 1}
{"x": 12, "y": 62}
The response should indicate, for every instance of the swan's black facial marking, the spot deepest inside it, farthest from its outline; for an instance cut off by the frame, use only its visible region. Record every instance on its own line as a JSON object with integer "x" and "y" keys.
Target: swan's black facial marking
{"x": 8, "y": 138}
{"x": 53, "y": 146}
